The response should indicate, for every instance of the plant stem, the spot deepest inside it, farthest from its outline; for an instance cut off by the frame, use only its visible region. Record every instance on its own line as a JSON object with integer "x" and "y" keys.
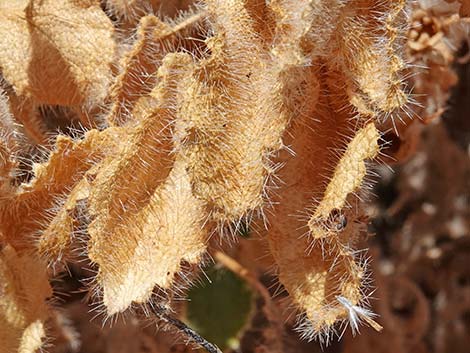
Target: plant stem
{"x": 185, "y": 330}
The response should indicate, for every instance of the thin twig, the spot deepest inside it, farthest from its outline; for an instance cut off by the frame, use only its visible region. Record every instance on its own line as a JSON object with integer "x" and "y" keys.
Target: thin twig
{"x": 185, "y": 330}
{"x": 251, "y": 279}
{"x": 244, "y": 273}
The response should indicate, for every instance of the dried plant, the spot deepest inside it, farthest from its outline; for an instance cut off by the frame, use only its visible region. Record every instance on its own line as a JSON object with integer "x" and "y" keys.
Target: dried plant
{"x": 177, "y": 132}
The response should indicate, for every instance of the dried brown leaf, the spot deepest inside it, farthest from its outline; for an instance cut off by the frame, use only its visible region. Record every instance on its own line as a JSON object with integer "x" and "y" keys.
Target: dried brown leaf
{"x": 25, "y": 213}
{"x": 63, "y": 50}
{"x": 368, "y": 48}
{"x": 314, "y": 256}
{"x": 23, "y": 292}
{"x": 143, "y": 199}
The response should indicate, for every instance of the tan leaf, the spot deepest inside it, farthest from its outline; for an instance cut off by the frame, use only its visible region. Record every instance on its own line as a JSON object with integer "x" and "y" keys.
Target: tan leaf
{"x": 143, "y": 200}
{"x": 348, "y": 177}
{"x": 24, "y": 288}
{"x": 315, "y": 270}
{"x": 139, "y": 64}
{"x": 231, "y": 113}
{"x": 25, "y": 213}
{"x": 153, "y": 244}
{"x": 63, "y": 50}
{"x": 367, "y": 48}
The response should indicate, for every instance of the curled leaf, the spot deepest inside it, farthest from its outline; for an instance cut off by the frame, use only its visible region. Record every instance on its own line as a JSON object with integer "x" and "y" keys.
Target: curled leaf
{"x": 314, "y": 253}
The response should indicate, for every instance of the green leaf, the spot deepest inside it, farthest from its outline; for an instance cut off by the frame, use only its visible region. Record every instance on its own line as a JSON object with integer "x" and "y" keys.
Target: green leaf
{"x": 220, "y": 310}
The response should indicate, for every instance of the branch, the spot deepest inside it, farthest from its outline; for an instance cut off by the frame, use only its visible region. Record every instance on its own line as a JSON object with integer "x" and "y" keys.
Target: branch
{"x": 185, "y": 330}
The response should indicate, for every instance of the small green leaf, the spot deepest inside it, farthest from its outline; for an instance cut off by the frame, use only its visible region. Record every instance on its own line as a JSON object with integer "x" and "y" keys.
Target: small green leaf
{"x": 220, "y": 310}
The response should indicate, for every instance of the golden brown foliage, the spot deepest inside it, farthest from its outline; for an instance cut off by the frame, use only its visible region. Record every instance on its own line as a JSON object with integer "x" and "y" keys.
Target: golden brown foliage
{"x": 274, "y": 118}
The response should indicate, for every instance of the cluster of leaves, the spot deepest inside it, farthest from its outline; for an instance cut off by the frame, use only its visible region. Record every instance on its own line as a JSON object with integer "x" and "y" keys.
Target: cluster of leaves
{"x": 177, "y": 132}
